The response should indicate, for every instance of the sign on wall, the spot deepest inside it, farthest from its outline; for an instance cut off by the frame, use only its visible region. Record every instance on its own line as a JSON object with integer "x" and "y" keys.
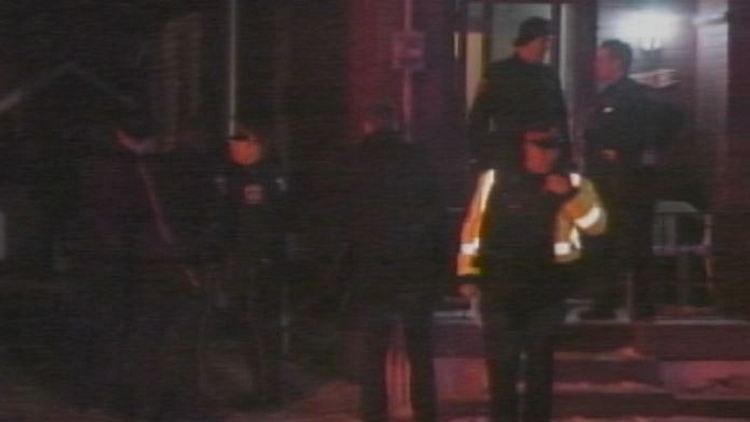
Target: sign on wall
{"x": 408, "y": 50}
{"x": 659, "y": 78}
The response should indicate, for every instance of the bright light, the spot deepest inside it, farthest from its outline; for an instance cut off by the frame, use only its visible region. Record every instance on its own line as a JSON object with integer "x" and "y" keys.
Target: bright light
{"x": 648, "y": 30}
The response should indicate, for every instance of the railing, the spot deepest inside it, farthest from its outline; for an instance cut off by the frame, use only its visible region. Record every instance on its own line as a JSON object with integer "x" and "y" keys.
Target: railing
{"x": 682, "y": 232}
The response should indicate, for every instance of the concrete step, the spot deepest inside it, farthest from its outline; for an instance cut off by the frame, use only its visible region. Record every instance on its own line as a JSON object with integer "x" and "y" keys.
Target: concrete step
{"x": 616, "y": 366}
{"x": 678, "y": 418}
{"x": 708, "y": 339}
{"x": 463, "y": 339}
{"x": 587, "y": 400}
{"x": 699, "y": 339}
{"x": 616, "y": 399}
{"x": 724, "y": 406}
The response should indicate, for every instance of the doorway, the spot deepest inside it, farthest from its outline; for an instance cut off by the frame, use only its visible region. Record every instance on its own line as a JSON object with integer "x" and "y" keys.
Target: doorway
{"x": 486, "y": 34}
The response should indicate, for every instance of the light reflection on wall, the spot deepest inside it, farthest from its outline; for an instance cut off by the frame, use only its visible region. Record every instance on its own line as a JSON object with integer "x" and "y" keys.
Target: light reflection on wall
{"x": 648, "y": 30}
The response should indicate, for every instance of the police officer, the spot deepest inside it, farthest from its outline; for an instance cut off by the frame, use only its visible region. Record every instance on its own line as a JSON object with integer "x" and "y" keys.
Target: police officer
{"x": 520, "y": 235}
{"x": 513, "y": 93}
{"x": 254, "y": 230}
{"x": 621, "y": 142}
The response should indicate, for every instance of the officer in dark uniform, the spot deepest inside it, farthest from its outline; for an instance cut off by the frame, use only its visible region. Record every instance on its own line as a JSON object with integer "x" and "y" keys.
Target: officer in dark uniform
{"x": 254, "y": 227}
{"x": 514, "y": 93}
{"x": 620, "y": 145}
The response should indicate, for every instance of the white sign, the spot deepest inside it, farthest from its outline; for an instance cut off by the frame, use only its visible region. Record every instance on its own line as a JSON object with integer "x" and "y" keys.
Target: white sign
{"x": 659, "y": 78}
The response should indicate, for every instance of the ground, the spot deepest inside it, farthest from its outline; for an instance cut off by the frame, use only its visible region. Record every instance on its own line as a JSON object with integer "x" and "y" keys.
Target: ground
{"x": 33, "y": 388}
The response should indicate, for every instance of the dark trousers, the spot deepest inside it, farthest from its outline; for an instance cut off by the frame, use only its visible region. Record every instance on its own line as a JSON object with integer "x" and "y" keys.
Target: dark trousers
{"x": 256, "y": 296}
{"x": 376, "y": 324}
{"x": 522, "y": 312}
{"x": 164, "y": 358}
{"x": 136, "y": 335}
{"x": 626, "y": 247}
{"x": 99, "y": 326}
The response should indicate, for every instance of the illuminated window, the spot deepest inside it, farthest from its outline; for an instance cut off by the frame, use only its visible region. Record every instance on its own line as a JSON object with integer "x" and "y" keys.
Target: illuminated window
{"x": 648, "y": 30}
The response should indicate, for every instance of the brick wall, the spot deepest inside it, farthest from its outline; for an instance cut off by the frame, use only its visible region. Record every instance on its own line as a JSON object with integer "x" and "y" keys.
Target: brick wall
{"x": 732, "y": 234}
{"x": 711, "y": 88}
{"x": 436, "y": 111}
{"x": 176, "y": 96}
{"x": 739, "y": 101}
{"x": 371, "y": 79}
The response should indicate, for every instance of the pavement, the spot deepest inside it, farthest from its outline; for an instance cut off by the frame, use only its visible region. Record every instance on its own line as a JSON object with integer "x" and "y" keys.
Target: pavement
{"x": 26, "y": 403}
{"x": 32, "y": 377}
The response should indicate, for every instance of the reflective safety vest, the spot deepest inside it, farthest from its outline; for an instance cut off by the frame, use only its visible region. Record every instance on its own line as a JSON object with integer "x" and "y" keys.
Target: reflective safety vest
{"x": 581, "y": 213}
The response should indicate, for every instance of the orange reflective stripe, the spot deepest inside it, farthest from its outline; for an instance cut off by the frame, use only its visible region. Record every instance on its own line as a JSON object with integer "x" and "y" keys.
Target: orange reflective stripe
{"x": 470, "y": 240}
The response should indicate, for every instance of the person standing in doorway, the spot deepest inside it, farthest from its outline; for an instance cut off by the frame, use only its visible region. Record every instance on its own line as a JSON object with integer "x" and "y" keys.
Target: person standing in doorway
{"x": 621, "y": 144}
{"x": 514, "y": 92}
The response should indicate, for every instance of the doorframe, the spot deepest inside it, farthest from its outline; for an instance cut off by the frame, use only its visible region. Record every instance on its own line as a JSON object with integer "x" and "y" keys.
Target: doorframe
{"x": 585, "y": 34}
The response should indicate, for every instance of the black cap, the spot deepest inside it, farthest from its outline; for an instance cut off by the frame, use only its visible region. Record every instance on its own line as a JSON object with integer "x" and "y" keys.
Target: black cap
{"x": 531, "y": 29}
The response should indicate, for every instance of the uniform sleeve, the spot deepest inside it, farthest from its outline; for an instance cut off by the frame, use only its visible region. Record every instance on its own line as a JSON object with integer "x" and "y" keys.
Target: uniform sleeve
{"x": 470, "y": 230}
{"x": 585, "y": 209}
{"x": 494, "y": 98}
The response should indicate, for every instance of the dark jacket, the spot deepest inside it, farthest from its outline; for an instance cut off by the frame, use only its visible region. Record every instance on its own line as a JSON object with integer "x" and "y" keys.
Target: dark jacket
{"x": 624, "y": 119}
{"x": 519, "y": 219}
{"x": 390, "y": 215}
{"x": 513, "y": 94}
{"x": 253, "y": 218}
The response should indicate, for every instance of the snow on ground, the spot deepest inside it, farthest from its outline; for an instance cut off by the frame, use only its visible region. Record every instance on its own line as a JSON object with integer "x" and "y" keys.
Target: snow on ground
{"x": 628, "y": 419}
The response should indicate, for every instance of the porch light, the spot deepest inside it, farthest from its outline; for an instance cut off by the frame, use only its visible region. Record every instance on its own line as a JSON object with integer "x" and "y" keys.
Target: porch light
{"x": 648, "y": 30}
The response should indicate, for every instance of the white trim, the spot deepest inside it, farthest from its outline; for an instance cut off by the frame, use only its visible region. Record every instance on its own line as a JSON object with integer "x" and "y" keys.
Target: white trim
{"x": 575, "y": 179}
{"x": 563, "y": 248}
{"x": 470, "y": 248}
{"x": 486, "y": 188}
{"x": 575, "y": 238}
{"x": 591, "y": 218}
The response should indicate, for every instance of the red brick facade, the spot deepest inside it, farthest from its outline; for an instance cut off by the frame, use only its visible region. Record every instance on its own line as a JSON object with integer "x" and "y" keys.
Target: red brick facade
{"x": 732, "y": 187}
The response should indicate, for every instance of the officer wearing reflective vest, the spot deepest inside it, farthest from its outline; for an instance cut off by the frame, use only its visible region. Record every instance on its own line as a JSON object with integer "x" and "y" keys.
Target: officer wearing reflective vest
{"x": 522, "y": 229}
